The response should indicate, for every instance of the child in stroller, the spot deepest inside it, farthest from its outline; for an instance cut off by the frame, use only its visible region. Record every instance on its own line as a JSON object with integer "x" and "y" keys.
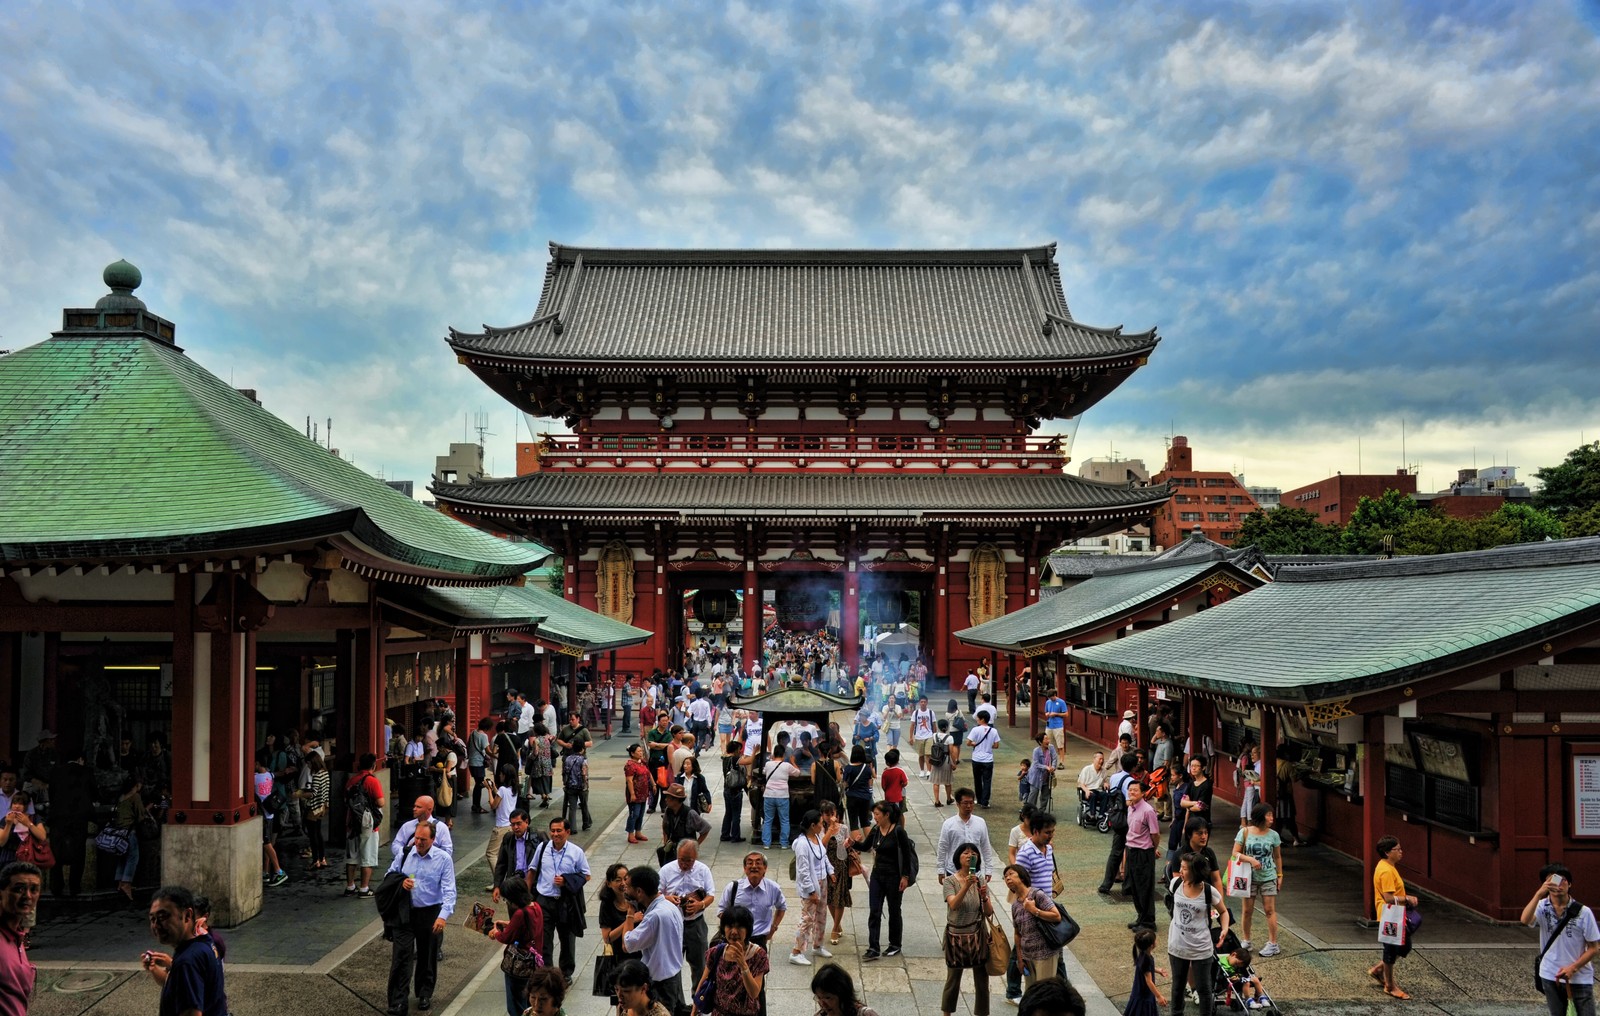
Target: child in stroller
{"x": 1237, "y": 982}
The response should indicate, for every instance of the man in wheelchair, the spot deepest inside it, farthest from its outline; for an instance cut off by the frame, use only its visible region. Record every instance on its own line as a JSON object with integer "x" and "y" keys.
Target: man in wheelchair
{"x": 1093, "y": 797}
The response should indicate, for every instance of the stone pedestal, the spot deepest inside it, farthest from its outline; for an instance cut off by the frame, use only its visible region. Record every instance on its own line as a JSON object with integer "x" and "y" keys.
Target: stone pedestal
{"x": 222, "y": 862}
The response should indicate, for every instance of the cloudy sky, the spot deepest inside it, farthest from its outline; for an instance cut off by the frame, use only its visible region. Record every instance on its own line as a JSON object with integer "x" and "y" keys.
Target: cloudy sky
{"x": 1343, "y": 218}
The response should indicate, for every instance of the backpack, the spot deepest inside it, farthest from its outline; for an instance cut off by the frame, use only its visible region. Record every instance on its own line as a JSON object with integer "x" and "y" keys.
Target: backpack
{"x": 1117, "y": 810}
{"x": 359, "y": 803}
{"x": 572, "y": 773}
{"x": 939, "y": 754}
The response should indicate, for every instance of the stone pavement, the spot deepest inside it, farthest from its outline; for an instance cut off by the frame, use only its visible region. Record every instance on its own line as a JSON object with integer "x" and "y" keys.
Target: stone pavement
{"x": 311, "y": 951}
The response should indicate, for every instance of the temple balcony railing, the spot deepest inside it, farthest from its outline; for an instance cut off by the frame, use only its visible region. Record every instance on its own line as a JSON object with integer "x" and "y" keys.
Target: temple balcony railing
{"x": 846, "y": 452}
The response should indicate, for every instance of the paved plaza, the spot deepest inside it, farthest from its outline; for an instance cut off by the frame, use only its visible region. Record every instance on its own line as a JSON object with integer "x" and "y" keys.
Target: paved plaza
{"x": 314, "y": 952}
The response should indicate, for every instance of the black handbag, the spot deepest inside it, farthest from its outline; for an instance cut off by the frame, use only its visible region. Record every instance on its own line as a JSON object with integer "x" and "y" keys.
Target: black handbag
{"x": 1058, "y": 935}
{"x": 605, "y": 973}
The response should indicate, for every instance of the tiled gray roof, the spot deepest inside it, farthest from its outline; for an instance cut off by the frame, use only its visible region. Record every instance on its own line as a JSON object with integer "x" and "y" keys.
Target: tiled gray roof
{"x": 801, "y": 495}
{"x": 1083, "y": 565}
{"x": 1093, "y": 603}
{"x": 784, "y": 306}
{"x": 1328, "y": 633}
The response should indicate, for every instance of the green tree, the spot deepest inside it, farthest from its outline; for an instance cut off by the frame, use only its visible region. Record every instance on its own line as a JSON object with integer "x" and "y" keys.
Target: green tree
{"x": 1433, "y": 532}
{"x": 1582, "y": 523}
{"x": 1375, "y": 518}
{"x": 1574, "y": 485}
{"x": 1287, "y": 531}
{"x": 1517, "y": 523}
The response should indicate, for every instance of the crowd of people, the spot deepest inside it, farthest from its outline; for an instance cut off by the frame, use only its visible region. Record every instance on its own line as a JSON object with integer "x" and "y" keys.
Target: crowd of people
{"x": 834, "y": 798}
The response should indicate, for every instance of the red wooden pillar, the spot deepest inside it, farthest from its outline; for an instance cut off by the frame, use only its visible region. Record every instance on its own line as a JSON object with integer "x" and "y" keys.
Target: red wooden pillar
{"x": 1373, "y": 809}
{"x": 664, "y": 611}
{"x": 1269, "y": 758}
{"x": 850, "y": 610}
{"x": 10, "y": 694}
{"x": 189, "y": 699}
{"x": 369, "y": 692}
{"x": 751, "y": 613}
{"x": 233, "y": 716}
{"x": 942, "y": 610}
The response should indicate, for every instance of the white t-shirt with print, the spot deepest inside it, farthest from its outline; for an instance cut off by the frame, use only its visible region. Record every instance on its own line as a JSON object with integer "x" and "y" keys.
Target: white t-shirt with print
{"x": 1574, "y": 938}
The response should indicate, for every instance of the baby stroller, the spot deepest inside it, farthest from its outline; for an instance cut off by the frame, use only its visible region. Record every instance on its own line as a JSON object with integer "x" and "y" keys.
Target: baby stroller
{"x": 1093, "y": 810}
{"x": 1230, "y": 989}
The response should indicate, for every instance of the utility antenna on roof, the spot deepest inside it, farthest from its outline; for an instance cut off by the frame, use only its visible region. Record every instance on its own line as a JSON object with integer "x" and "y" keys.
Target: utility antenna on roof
{"x": 481, "y": 425}
{"x": 329, "y": 434}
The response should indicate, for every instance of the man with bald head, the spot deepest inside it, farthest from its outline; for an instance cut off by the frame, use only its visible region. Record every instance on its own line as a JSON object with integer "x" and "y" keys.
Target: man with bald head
{"x": 687, "y": 885}
{"x": 421, "y": 811}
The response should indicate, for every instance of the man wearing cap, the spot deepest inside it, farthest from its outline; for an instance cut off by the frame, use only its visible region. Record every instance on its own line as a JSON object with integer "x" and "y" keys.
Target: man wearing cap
{"x": 1126, "y": 726}
{"x": 679, "y": 821}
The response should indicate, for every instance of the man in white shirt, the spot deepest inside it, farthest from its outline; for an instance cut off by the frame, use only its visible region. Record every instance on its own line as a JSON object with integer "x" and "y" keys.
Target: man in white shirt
{"x": 971, "y": 685}
{"x": 983, "y": 739}
{"x": 687, "y": 885}
{"x": 700, "y": 722}
{"x": 922, "y": 726}
{"x": 550, "y": 718}
{"x": 1092, "y": 780}
{"x": 1126, "y": 727}
{"x": 524, "y": 719}
{"x": 1566, "y": 961}
{"x": 965, "y": 827}
{"x": 986, "y": 708}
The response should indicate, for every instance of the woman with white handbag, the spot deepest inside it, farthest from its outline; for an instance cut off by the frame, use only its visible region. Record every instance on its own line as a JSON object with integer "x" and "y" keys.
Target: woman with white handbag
{"x": 1391, "y": 902}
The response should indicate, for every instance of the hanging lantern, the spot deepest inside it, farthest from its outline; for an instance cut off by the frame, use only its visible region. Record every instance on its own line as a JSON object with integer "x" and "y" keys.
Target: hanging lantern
{"x": 890, "y": 606}
{"x": 802, "y": 608}
{"x": 716, "y": 608}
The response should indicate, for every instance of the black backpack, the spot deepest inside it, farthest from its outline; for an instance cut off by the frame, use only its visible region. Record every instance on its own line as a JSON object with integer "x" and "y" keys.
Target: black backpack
{"x": 1117, "y": 810}
{"x": 939, "y": 754}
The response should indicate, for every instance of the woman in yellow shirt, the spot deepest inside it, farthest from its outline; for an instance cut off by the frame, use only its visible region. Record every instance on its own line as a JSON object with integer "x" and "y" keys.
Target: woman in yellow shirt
{"x": 1389, "y": 888}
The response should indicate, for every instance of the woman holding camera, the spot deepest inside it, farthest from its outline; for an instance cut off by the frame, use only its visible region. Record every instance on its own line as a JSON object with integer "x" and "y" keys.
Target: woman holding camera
{"x": 966, "y": 940}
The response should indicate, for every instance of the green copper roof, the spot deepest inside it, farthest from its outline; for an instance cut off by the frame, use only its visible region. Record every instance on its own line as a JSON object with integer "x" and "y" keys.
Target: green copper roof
{"x": 522, "y": 607}
{"x": 1093, "y": 603}
{"x": 1329, "y": 633}
{"x": 122, "y": 448}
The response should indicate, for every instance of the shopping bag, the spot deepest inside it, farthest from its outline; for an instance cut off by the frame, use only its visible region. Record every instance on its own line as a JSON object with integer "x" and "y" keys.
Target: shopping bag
{"x": 1240, "y": 875}
{"x": 1392, "y": 924}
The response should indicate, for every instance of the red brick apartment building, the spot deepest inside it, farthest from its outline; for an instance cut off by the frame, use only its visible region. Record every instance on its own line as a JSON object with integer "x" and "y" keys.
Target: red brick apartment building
{"x": 1215, "y": 503}
{"x": 1334, "y": 500}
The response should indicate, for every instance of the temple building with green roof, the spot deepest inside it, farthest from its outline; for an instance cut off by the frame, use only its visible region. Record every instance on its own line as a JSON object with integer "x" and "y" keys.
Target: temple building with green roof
{"x": 1452, "y": 701}
{"x": 199, "y": 571}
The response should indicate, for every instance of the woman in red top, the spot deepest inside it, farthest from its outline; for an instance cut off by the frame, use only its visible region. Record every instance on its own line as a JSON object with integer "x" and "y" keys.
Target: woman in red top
{"x": 894, "y": 783}
{"x": 636, "y": 789}
{"x": 526, "y": 929}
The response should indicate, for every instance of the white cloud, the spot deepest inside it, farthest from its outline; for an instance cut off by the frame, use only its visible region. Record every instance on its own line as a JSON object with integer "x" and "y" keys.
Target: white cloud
{"x": 1296, "y": 195}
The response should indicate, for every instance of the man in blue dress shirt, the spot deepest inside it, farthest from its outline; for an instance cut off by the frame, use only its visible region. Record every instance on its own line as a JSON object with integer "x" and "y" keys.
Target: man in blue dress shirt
{"x": 561, "y": 869}
{"x": 655, "y": 931}
{"x": 421, "y": 812}
{"x": 430, "y": 879}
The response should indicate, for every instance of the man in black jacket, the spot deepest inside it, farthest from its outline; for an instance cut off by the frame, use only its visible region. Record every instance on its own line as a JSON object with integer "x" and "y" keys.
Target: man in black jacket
{"x": 72, "y": 793}
{"x": 516, "y": 850}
